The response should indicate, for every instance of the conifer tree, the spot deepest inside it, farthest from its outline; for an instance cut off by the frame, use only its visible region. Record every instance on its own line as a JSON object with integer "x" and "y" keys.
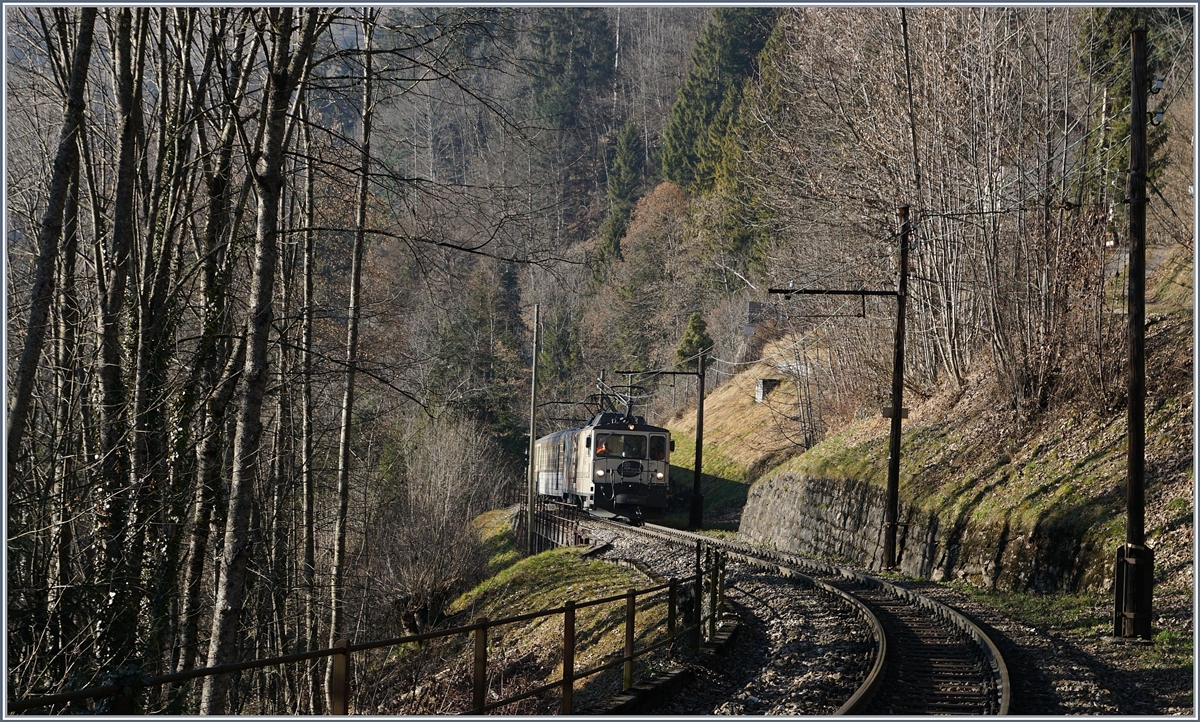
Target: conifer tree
{"x": 480, "y": 348}
{"x": 694, "y": 340}
{"x": 561, "y": 354}
{"x": 573, "y": 69}
{"x": 738, "y": 226}
{"x": 624, "y": 177}
{"x": 626, "y": 173}
{"x": 573, "y": 62}
{"x": 722, "y": 60}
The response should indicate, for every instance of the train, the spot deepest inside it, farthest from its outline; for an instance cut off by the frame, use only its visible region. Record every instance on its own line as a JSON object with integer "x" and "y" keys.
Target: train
{"x": 616, "y": 462}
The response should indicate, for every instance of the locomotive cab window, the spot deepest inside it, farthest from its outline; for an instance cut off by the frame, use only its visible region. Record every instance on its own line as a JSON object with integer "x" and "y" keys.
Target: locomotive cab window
{"x": 620, "y": 446}
{"x": 658, "y": 448}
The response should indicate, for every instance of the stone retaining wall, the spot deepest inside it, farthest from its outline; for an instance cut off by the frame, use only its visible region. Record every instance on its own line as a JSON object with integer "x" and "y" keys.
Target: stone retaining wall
{"x": 843, "y": 520}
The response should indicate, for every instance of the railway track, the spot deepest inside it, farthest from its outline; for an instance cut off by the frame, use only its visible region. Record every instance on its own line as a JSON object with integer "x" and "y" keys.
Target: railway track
{"x": 929, "y": 659}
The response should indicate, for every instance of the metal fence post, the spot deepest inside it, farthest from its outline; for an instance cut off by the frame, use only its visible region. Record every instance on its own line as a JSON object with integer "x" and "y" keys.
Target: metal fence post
{"x": 712, "y": 598}
{"x": 721, "y": 582}
{"x": 340, "y": 693}
{"x": 479, "y": 681}
{"x": 568, "y": 657}
{"x": 698, "y": 602}
{"x": 630, "y": 611}
{"x": 672, "y": 591}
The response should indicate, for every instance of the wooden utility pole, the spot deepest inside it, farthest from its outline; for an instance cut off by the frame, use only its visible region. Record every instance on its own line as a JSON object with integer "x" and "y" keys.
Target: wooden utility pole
{"x": 532, "y": 497}
{"x": 892, "y": 498}
{"x": 696, "y": 508}
{"x": 1134, "y": 578}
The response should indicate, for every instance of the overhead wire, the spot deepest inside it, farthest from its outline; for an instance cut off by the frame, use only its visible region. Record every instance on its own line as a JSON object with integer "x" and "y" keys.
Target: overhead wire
{"x": 1099, "y": 161}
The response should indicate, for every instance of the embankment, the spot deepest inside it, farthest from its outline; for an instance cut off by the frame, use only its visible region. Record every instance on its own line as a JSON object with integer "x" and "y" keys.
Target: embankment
{"x": 985, "y": 499}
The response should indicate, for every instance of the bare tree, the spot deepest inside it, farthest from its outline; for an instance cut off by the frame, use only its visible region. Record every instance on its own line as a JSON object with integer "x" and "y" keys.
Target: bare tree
{"x": 440, "y": 478}
{"x": 284, "y": 68}
{"x": 352, "y": 316}
{"x": 66, "y": 163}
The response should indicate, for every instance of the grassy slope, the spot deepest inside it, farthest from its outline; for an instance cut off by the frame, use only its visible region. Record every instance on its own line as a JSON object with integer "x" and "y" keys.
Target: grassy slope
{"x": 518, "y": 585}
{"x": 495, "y": 531}
{"x": 741, "y": 439}
{"x": 963, "y": 458}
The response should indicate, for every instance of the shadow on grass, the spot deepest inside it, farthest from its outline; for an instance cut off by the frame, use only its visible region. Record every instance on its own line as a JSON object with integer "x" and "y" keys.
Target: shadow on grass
{"x": 723, "y": 498}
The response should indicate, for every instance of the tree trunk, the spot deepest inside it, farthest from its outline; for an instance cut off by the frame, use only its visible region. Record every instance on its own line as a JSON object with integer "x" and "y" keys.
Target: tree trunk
{"x": 284, "y": 68}
{"x": 337, "y": 601}
{"x": 306, "y": 461}
{"x": 118, "y": 636}
{"x": 149, "y": 474}
{"x": 211, "y": 355}
{"x": 60, "y": 602}
{"x": 66, "y": 163}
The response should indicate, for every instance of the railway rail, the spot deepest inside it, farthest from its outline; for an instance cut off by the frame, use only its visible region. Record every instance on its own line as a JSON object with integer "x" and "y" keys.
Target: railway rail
{"x": 928, "y": 658}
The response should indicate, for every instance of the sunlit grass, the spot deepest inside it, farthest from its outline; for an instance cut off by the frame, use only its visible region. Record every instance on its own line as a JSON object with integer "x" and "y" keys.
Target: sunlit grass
{"x": 1082, "y": 616}
{"x": 547, "y": 581}
{"x": 495, "y": 531}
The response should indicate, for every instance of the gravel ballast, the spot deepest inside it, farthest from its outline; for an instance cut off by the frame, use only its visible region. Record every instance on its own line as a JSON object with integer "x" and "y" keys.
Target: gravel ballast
{"x": 798, "y": 651}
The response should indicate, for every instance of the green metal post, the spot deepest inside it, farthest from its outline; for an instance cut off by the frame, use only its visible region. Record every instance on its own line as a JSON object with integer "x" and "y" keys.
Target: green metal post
{"x": 630, "y": 611}
{"x": 568, "y": 658}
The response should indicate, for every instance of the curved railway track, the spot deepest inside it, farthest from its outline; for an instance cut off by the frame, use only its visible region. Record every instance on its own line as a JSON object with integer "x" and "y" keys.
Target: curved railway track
{"x": 929, "y": 659}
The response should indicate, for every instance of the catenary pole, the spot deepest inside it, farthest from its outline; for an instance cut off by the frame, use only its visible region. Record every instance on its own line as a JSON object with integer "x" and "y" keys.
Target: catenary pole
{"x": 696, "y": 509}
{"x": 1134, "y": 578}
{"x": 891, "y": 501}
{"x": 532, "y": 435}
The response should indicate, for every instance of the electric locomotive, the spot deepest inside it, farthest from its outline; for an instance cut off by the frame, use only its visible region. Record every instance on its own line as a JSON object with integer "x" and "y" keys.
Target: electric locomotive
{"x": 616, "y": 462}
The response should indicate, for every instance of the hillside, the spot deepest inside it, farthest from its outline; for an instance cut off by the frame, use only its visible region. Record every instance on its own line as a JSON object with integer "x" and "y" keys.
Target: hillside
{"x": 984, "y": 477}
{"x": 742, "y": 437}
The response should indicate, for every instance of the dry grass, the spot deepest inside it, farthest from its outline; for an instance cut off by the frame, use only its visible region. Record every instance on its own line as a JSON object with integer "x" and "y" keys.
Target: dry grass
{"x": 744, "y": 437}
{"x": 436, "y": 678}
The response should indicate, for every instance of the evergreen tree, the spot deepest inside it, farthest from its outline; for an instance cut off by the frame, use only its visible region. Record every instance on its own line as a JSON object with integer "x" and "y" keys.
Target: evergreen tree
{"x": 625, "y": 175}
{"x": 722, "y": 60}
{"x": 1104, "y": 37}
{"x": 573, "y": 69}
{"x": 573, "y": 62}
{"x": 560, "y": 356}
{"x": 738, "y": 227}
{"x": 608, "y": 250}
{"x": 482, "y": 373}
{"x": 636, "y": 305}
{"x": 624, "y": 179}
{"x": 694, "y": 340}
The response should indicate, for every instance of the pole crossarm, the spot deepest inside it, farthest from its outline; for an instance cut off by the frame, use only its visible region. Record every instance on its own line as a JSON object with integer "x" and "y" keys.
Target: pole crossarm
{"x": 663, "y": 373}
{"x": 787, "y": 292}
{"x": 892, "y": 493}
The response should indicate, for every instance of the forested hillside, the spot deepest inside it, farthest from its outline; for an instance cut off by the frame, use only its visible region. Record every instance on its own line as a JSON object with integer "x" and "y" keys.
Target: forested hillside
{"x": 271, "y": 276}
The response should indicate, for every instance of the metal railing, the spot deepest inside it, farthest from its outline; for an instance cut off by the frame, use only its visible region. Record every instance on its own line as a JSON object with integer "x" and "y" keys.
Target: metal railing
{"x": 708, "y": 578}
{"x": 556, "y": 524}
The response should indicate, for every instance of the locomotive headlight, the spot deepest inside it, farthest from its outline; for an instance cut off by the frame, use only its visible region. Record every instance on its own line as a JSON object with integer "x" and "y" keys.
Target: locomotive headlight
{"x": 599, "y": 472}
{"x": 659, "y": 475}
